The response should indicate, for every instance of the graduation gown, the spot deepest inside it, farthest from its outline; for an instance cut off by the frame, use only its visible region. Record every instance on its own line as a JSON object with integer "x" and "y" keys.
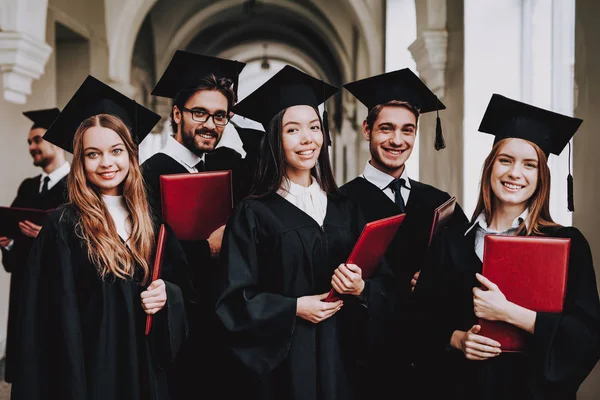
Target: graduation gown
{"x": 187, "y": 374}
{"x": 406, "y": 255}
{"x": 28, "y": 196}
{"x": 273, "y": 253}
{"x": 82, "y": 337}
{"x": 559, "y": 355}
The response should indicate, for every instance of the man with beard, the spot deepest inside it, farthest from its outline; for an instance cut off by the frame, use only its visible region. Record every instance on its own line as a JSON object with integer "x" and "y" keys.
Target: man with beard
{"x": 394, "y": 101}
{"x": 44, "y": 192}
{"x": 203, "y": 90}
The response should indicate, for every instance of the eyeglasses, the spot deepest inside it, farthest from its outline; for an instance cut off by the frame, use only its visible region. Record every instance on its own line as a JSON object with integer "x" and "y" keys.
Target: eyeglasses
{"x": 220, "y": 118}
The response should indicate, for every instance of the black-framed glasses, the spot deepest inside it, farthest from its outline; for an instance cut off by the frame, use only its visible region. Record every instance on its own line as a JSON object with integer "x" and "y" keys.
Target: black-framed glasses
{"x": 220, "y": 118}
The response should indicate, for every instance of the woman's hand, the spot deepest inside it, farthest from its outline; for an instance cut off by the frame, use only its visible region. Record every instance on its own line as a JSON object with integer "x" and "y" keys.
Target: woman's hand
{"x": 155, "y": 297}
{"x": 29, "y": 229}
{"x": 490, "y": 304}
{"x": 314, "y": 309}
{"x": 474, "y": 346}
{"x": 347, "y": 279}
{"x": 414, "y": 280}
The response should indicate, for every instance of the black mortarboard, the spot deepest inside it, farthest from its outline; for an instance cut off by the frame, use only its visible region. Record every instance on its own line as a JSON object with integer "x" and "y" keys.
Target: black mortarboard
{"x": 186, "y": 69}
{"x": 508, "y": 118}
{"x": 400, "y": 85}
{"x": 95, "y": 97}
{"x": 288, "y": 87}
{"x": 42, "y": 118}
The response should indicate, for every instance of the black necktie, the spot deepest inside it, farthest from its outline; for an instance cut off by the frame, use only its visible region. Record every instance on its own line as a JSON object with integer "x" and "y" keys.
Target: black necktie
{"x": 396, "y": 186}
{"x": 200, "y": 166}
{"x": 45, "y": 185}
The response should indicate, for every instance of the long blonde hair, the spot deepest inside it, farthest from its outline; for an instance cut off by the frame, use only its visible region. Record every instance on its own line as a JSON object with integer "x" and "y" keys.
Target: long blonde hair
{"x": 538, "y": 203}
{"x": 94, "y": 223}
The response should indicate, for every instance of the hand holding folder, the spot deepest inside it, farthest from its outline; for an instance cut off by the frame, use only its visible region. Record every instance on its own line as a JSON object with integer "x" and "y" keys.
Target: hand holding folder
{"x": 531, "y": 272}
{"x": 371, "y": 246}
{"x": 11, "y": 216}
{"x": 158, "y": 260}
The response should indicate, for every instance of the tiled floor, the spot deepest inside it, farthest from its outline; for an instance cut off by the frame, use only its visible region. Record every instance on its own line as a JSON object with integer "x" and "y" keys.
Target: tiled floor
{"x": 4, "y": 391}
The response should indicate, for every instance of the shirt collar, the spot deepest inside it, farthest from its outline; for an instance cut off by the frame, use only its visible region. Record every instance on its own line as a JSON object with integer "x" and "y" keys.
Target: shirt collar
{"x": 180, "y": 153}
{"x": 290, "y": 188}
{"x": 231, "y": 139}
{"x": 58, "y": 173}
{"x": 380, "y": 178}
{"x": 482, "y": 222}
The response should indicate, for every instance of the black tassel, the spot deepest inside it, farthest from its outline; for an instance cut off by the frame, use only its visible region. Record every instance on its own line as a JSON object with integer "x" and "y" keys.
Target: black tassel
{"x": 440, "y": 143}
{"x": 326, "y": 127}
{"x": 570, "y": 200}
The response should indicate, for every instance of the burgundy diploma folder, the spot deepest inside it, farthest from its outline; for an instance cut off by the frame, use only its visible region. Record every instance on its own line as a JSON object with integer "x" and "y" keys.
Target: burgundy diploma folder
{"x": 161, "y": 242}
{"x": 371, "y": 247}
{"x": 11, "y": 216}
{"x": 441, "y": 216}
{"x": 196, "y": 204}
{"x": 531, "y": 272}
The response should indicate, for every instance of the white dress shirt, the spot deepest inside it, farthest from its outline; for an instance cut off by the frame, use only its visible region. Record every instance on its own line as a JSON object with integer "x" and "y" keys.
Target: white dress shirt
{"x": 120, "y": 215}
{"x": 312, "y": 200}
{"x": 483, "y": 229}
{"x": 56, "y": 175}
{"x": 382, "y": 181}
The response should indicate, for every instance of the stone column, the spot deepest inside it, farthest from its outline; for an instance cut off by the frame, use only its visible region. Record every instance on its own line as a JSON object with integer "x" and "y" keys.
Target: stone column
{"x": 586, "y": 162}
{"x": 439, "y": 55}
{"x": 23, "y": 49}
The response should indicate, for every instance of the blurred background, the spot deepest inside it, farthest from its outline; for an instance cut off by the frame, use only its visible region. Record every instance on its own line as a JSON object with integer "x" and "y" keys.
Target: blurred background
{"x": 544, "y": 52}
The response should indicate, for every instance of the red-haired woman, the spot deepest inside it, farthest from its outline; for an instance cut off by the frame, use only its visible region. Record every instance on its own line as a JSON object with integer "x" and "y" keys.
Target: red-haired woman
{"x": 562, "y": 348}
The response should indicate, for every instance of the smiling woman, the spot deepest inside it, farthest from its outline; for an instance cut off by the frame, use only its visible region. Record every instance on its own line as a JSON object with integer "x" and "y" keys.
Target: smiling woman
{"x": 284, "y": 248}
{"x": 90, "y": 267}
{"x": 562, "y": 348}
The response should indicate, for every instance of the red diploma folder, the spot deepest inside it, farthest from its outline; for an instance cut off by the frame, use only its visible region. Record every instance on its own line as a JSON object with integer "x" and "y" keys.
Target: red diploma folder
{"x": 11, "y": 216}
{"x": 441, "y": 216}
{"x": 161, "y": 243}
{"x": 371, "y": 246}
{"x": 531, "y": 272}
{"x": 196, "y": 204}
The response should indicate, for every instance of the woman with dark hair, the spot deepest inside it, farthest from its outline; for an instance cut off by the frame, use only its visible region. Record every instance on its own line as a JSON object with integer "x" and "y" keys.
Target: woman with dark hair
{"x": 88, "y": 286}
{"x": 561, "y": 348}
{"x": 284, "y": 248}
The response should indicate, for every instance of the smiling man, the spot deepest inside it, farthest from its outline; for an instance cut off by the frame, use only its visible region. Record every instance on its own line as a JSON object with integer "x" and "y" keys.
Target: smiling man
{"x": 394, "y": 101}
{"x": 44, "y": 191}
{"x": 203, "y": 89}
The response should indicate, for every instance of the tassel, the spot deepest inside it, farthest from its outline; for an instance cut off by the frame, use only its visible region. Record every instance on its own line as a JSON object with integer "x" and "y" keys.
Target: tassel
{"x": 570, "y": 200}
{"x": 326, "y": 128}
{"x": 440, "y": 143}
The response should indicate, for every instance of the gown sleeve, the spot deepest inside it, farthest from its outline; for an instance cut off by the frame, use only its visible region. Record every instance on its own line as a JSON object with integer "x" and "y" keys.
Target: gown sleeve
{"x": 50, "y": 345}
{"x": 259, "y": 324}
{"x": 565, "y": 346}
{"x": 171, "y": 328}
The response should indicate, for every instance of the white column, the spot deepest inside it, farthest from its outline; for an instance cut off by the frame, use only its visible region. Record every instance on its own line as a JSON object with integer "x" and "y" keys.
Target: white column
{"x": 23, "y": 48}
{"x": 492, "y": 65}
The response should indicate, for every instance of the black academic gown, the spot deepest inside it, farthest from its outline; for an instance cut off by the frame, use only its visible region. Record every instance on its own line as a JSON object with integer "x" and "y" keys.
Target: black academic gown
{"x": 273, "y": 253}
{"x": 559, "y": 355}
{"x": 28, "y": 196}
{"x": 406, "y": 255}
{"x": 187, "y": 374}
{"x": 82, "y": 337}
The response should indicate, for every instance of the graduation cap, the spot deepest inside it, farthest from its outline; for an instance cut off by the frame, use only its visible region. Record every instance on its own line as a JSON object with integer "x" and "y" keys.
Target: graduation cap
{"x": 400, "y": 85}
{"x": 42, "y": 118}
{"x": 508, "y": 118}
{"x": 186, "y": 70}
{"x": 95, "y": 97}
{"x": 288, "y": 87}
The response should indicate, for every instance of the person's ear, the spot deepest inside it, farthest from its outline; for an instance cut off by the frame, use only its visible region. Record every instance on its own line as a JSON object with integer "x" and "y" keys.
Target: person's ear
{"x": 366, "y": 131}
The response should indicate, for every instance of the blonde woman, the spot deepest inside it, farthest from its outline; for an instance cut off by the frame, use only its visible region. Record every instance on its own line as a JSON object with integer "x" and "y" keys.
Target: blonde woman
{"x": 88, "y": 288}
